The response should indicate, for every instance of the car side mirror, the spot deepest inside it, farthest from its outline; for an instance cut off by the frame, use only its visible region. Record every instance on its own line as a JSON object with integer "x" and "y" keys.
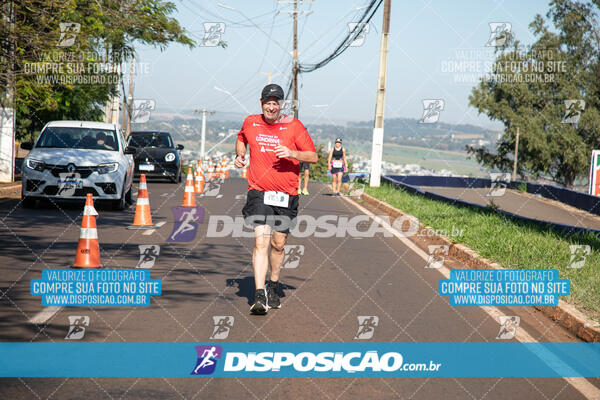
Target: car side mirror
{"x": 179, "y": 147}
{"x": 130, "y": 150}
{"x": 27, "y": 145}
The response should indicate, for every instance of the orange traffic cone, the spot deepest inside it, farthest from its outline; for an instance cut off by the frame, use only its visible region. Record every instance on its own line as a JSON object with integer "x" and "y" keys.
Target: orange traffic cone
{"x": 188, "y": 197}
{"x": 225, "y": 170}
{"x": 210, "y": 170}
{"x": 142, "y": 218}
{"x": 88, "y": 249}
{"x": 199, "y": 167}
{"x": 199, "y": 183}
{"x": 218, "y": 173}
{"x": 245, "y": 172}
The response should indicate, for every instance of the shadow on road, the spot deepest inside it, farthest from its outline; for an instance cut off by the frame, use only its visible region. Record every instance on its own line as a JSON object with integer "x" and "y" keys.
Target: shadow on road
{"x": 246, "y": 288}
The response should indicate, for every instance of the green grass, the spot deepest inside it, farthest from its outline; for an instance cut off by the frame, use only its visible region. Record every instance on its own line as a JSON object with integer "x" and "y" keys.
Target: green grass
{"x": 509, "y": 243}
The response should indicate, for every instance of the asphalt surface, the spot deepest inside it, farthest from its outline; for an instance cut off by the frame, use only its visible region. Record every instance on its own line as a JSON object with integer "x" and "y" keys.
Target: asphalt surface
{"x": 523, "y": 204}
{"x": 337, "y": 280}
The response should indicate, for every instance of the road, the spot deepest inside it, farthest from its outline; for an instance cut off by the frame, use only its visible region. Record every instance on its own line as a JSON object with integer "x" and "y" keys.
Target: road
{"x": 337, "y": 280}
{"x": 523, "y": 204}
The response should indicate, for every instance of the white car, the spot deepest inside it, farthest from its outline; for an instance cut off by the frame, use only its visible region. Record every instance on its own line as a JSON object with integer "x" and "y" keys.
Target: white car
{"x": 73, "y": 158}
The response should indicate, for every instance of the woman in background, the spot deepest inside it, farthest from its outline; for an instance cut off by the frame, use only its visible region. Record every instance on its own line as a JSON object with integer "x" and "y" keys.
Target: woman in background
{"x": 337, "y": 165}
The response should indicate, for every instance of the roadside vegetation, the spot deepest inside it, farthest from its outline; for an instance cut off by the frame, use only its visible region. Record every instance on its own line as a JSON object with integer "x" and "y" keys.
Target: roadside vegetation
{"x": 509, "y": 243}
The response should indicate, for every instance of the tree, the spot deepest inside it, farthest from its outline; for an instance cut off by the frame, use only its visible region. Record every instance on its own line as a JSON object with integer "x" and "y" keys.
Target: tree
{"x": 528, "y": 87}
{"x": 106, "y": 34}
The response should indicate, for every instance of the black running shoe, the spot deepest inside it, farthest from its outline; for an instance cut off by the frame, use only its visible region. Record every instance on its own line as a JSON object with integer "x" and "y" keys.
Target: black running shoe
{"x": 260, "y": 303}
{"x": 273, "y": 295}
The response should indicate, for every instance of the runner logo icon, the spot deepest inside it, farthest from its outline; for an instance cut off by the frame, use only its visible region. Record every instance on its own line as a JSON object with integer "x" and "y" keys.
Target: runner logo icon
{"x": 508, "y": 327}
{"x": 431, "y": 111}
{"x": 148, "y": 255}
{"x": 498, "y": 183}
{"x": 366, "y": 326}
{"x": 293, "y": 252}
{"x": 186, "y": 223}
{"x": 223, "y": 324}
{"x": 142, "y": 108}
{"x": 573, "y": 110}
{"x": 68, "y": 33}
{"x": 436, "y": 255}
{"x": 77, "y": 326}
{"x": 579, "y": 253}
{"x": 207, "y": 359}
{"x": 499, "y": 33}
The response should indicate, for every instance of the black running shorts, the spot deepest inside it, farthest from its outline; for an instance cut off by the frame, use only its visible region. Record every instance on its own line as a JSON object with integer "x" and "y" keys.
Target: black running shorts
{"x": 257, "y": 213}
{"x": 304, "y": 166}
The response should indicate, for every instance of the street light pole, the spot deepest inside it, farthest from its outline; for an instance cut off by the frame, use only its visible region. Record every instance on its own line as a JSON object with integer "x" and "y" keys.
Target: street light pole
{"x": 203, "y": 140}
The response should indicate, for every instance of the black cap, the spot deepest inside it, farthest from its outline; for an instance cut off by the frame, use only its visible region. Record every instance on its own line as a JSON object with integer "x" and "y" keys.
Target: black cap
{"x": 272, "y": 90}
{"x": 338, "y": 140}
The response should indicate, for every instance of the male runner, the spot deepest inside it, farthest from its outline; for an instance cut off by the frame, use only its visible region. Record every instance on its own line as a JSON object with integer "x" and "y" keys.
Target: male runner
{"x": 304, "y": 170}
{"x": 277, "y": 144}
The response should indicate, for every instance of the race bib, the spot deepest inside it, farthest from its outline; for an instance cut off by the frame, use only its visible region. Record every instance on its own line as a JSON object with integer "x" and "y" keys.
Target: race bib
{"x": 278, "y": 199}
{"x": 337, "y": 163}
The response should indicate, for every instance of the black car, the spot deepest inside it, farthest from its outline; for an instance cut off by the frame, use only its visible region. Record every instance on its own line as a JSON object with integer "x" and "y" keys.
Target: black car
{"x": 156, "y": 155}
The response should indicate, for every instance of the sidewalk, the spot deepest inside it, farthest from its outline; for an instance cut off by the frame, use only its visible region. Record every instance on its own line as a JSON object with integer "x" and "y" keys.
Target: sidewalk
{"x": 10, "y": 190}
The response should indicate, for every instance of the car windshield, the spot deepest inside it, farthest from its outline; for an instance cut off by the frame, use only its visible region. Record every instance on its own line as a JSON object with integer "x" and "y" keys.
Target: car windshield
{"x": 150, "y": 140}
{"x": 78, "y": 138}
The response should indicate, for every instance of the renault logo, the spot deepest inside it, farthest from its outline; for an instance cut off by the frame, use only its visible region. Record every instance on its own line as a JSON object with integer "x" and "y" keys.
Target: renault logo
{"x": 71, "y": 168}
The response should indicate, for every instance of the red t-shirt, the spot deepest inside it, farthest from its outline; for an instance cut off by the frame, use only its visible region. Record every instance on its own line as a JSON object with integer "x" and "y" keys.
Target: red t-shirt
{"x": 266, "y": 171}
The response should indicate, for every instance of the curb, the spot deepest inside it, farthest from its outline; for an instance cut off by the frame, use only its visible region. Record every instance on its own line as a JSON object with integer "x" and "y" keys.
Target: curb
{"x": 565, "y": 314}
{"x": 7, "y": 190}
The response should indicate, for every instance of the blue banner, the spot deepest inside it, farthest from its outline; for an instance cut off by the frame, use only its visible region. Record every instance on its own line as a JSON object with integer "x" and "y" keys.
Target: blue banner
{"x": 95, "y": 287}
{"x": 504, "y": 287}
{"x": 317, "y": 359}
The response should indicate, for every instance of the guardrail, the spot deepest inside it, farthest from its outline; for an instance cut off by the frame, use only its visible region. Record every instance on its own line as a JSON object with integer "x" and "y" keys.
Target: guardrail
{"x": 576, "y": 199}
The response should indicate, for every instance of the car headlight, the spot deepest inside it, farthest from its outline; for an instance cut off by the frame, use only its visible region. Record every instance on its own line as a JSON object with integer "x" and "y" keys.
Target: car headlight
{"x": 35, "y": 164}
{"x": 170, "y": 157}
{"x": 108, "y": 168}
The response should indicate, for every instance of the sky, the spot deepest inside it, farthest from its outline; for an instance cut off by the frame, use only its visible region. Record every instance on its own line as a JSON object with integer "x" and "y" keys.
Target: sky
{"x": 436, "y": 51}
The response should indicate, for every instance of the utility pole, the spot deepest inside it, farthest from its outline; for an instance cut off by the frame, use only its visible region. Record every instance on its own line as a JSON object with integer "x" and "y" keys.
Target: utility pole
{"x": 203, "y": 140}
{"x": 295, "y": 67}
{"x": 295, "y": 63}
{"x": 377, "y": 149}
{"x": 8, "y": 111}
{"x": 514, "y": 174}
{"x": 270, "y": 75}
{"x": 130, "y": 98}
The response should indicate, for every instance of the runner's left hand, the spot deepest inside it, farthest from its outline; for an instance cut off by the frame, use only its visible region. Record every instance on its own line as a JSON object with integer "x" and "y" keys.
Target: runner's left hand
{"x": 284, "y": 152}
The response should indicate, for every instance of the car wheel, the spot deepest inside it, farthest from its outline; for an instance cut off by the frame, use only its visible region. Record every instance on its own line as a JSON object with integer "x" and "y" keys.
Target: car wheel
{"x": 177, "y": 178}
{"x": 28, "y": 202}
{"x": 121, "y": 204}
{"x": 129, "y": 195}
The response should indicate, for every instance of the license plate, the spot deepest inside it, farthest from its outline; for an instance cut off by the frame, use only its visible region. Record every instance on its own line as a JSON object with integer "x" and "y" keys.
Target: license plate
{"x": 70, "y": 183}
{"x": 337, "y": 163}
{"x": 278, "y": 199}
{"x": 146, "y": 167}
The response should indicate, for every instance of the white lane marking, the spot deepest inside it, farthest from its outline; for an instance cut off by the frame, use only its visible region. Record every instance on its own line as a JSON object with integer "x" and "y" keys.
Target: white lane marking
{"x": 582, "y": 385}
{"x": 45, "y": 315}
{"x": 148, "y": 232}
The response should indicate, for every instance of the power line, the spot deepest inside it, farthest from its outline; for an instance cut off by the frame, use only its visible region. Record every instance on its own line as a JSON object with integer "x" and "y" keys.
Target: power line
{"x": 347, "y": 41}
{"x": 253, "y": 76}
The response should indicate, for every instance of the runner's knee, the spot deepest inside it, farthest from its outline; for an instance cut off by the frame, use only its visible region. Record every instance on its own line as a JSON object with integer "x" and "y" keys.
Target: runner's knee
{"x": 262, "y": 242}
{"x": 278, "y": 243}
